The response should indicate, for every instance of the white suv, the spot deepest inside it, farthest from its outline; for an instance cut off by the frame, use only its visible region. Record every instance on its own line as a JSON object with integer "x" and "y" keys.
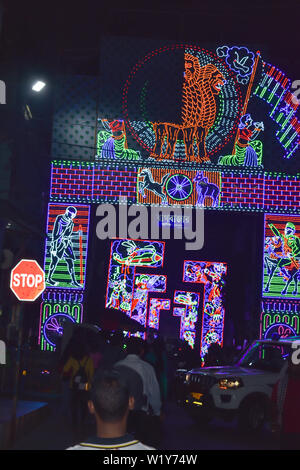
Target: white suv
{"x": 242, "y": 390}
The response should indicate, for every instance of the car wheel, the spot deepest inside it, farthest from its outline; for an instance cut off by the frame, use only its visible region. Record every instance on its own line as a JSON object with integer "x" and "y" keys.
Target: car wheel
{"x": 252, "y": 415}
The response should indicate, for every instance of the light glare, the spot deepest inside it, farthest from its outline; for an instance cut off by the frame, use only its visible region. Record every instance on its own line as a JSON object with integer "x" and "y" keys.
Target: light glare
{"x": 38, "y": 86}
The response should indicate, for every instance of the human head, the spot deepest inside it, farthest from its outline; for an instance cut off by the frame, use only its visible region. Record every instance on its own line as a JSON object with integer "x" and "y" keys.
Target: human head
{"x": 245, "y": 121}
{"x": 289, "y": 229}
{"x": 109, "y": 398}
{"x": 135, "y": 346}
{"x": 116, "y": 338}
{"x": 71, "y": 212}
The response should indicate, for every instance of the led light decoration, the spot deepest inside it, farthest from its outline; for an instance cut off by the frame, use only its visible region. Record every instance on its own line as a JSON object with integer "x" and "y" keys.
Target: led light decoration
{"x": 211, "y": 101}
{"x": 210, "y": 155}
{"x": 184, "y": 103}
{"x": 179, "y": 187}
{"x": 212, "y": 275}
{"x": 247, "y": 148}
{"x": 281, "y": 256}
{"x": 168, "y": 186}
{"x": 53, "y": 318}
{"x": 275, "y": 88}
{"x": 240, "y": 60}
{"x": 281, "y": 329}
{"x": 126, "y": 255}
{"x": 143, "y": 285}
{"x": 280, "y": 318}
{"x": 233, "y": 190}
{"x": 66, "y": 245}
{"x": 188, "y": 314}
{"x": 90, "y": 182}
{"x": 155, "y": 307}
{"x": 112, "y": 141}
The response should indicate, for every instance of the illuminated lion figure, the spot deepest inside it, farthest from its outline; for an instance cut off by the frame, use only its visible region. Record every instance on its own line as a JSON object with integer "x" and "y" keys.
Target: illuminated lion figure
{"x": 199, "y": 109}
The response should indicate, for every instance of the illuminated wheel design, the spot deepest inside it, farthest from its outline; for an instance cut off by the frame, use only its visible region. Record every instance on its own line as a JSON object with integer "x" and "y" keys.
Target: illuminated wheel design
{"x": 54, "y": 327}
{"x": 179, "y": 187}
{"x": 280, "y": 329}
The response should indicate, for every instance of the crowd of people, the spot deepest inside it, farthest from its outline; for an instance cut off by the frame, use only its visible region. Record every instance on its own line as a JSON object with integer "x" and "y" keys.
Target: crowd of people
{"x": 137, "y": 365}
{"x": 124, "y": 383}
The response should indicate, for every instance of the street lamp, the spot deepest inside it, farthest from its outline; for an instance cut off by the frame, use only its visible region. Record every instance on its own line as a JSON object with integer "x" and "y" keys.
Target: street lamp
{"x": 38, "y": 86}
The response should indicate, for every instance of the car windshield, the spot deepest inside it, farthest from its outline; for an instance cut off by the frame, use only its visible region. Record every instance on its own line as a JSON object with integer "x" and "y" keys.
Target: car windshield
{"x": 269, "y": 357}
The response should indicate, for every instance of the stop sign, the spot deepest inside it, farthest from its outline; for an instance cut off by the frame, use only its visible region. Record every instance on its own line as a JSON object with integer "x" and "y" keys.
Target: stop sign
{"x": 27, "y": 280}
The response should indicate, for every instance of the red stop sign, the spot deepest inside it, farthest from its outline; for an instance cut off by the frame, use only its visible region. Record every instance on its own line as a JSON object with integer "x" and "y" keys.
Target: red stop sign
{"x": 27, "y": 280}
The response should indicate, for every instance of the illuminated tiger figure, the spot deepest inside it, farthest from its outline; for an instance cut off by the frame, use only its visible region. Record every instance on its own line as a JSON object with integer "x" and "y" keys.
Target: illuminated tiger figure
{"x": 199, "y": 109}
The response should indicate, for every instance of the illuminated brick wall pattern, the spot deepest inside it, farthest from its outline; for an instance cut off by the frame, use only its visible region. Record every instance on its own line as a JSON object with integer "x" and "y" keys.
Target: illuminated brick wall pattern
{"x": 92, "y": 183}
{"x": 242, "y": 191}
{"x": 114, "y": 183}
{"x": 282, "y": 192}
{"x": 95, "y": 182}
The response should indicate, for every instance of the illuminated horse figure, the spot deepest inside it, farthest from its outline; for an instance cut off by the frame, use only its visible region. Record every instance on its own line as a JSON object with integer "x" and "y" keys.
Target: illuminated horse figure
{"x": 292, "y": 268}
{"x": 151, "y": 185}
{"x": 206, "y": 189}
{"x": 289, "y": 261}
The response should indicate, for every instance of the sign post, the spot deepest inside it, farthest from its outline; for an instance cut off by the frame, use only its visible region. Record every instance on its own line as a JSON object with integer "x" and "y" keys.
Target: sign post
{"x": 27, "y": 281}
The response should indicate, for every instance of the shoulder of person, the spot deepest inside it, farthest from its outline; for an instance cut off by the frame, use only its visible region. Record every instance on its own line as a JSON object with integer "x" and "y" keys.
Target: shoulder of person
{"x": 148, "y": 366}
{"x": 141, "y": 446}
{"x": 80, "y": 447}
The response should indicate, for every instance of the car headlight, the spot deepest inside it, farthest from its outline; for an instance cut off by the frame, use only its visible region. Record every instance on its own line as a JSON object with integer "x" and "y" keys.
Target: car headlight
{"x": 230, "y": 383}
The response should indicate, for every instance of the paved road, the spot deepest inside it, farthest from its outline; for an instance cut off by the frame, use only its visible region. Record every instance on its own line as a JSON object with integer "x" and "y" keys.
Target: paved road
{"x": 180, "y": 433}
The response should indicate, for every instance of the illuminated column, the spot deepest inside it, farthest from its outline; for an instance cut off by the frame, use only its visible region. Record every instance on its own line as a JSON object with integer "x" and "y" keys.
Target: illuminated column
{"x": 144, "y": 284}
{"x": 66, "y": 245}
{"x": 281, "y": 257}
{"x": 188, "y": 314}
{"x": 125, "y": 256}
{"x": 57, "y": 310}
{"x": 66, "y": 249}
{"x": 212, "y": 275}
{"x": 156, "y": 305}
